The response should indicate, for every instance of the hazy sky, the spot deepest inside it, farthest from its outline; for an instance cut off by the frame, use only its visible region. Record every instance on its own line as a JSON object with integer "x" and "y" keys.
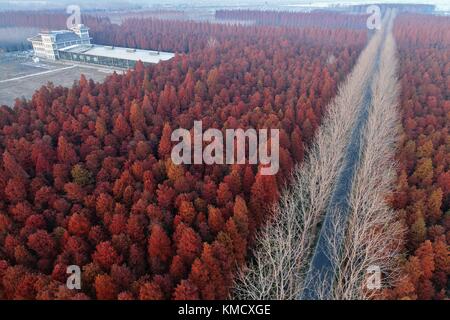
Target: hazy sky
{"x": 47, "y": 3}
{"x": 228, "y": 1}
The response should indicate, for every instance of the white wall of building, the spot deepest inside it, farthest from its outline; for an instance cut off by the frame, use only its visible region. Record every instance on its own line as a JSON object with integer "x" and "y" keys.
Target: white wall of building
{"x": 47, "y": 47}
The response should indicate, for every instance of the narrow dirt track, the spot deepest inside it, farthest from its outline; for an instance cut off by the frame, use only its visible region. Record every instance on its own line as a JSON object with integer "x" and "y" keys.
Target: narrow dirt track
{"x": 322, "y": 271}
{"x": 374, "y": 235}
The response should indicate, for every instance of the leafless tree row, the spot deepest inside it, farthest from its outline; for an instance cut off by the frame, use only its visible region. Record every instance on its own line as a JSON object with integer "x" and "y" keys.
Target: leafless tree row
{"x": 284, "y": 246}
{"x": 374, "y": 235}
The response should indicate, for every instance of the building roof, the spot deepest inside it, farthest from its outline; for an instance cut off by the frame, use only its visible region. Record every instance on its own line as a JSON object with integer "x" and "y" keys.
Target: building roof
{"x": 60, "y": 36}
{"x": 147, "y": 56}
{"x": 66, "y": 36}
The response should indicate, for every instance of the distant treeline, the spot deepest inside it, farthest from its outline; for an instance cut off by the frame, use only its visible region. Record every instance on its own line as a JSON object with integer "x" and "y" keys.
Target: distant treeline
{"x": 296, "y": 19}
{"x": 184, "y": 36}
{"x": 17, "y": 26}
{"x": 43, "y": 19}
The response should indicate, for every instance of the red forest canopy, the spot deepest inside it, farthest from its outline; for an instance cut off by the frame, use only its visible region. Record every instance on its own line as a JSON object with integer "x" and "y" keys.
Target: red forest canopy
{"x": 318, "y": 19}
{"x": 422, "y": 195}
{"x": 86, "y": 176}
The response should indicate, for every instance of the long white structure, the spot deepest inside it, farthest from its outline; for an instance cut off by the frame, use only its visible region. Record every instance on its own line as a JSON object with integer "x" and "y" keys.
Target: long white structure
{"x": 112, "y": 56}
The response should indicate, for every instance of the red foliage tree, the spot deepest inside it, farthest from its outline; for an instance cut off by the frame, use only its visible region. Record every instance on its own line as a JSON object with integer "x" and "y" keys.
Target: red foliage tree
{"x": 189, "y": 245}
{"x": 105, "y": 289}
{"x": 150, "y": 291}
{"x": 105, "y": 255}
{"x": 186, "y": 291}
{"x": 165, "y": 144}
{"x": 159, "y": 249}
{"x": 42, "y": 243}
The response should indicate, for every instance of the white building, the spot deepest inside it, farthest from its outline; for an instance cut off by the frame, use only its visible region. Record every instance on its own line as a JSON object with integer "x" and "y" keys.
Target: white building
{"x": 47, "y": 44}
{"x": 112, "y": 56}
{"x": 75, "y": 45}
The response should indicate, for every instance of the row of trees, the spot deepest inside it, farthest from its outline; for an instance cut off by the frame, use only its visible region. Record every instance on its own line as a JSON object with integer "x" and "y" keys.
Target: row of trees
{"x": 328, "y": 20}
{"x": 185, "y": 36}
{"x": 86, "y": 176}
{"x": 43, "y": 19}
{"x": 321, "y": 19}
{"x": 422, "y": 195}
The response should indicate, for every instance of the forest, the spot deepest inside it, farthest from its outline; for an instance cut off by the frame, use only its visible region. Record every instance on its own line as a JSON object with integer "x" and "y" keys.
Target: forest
{"x": 42, "y": 19}
{"x": 318, "y": 19}
{"x": 422, "y": 194}
{"x": 86, "y": 176}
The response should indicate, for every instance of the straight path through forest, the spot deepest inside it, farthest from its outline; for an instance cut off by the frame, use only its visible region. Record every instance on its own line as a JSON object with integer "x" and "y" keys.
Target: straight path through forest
{"x": 321, "y": 275}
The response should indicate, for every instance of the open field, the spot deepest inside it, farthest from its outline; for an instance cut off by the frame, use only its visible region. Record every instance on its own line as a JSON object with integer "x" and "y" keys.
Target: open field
{"x": 21, "y": 78}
